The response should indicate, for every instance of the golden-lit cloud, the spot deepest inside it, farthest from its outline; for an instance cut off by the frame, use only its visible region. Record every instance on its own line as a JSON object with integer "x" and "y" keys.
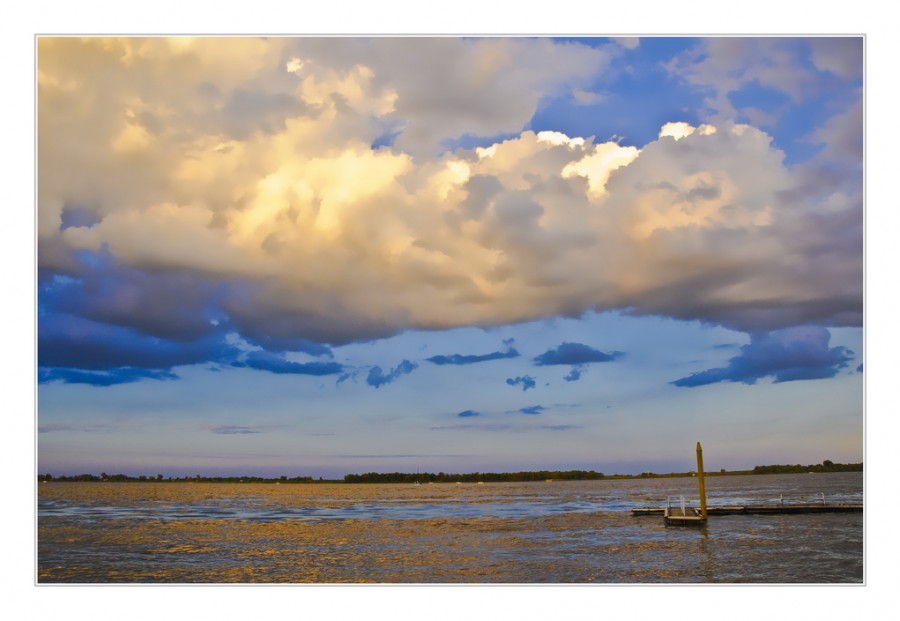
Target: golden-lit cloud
{"x": 257, "y": 159}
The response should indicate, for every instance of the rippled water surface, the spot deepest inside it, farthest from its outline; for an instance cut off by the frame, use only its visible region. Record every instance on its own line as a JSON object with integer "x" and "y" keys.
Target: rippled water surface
{"x": 557, "y": 532}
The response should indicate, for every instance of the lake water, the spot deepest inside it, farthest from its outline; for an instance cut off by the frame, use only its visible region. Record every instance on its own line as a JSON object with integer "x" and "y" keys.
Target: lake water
{"x": 547, "y": 532}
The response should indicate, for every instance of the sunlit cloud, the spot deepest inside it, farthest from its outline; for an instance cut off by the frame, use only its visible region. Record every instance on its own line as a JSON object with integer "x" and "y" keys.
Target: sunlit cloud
{"x": 338, "y": 237}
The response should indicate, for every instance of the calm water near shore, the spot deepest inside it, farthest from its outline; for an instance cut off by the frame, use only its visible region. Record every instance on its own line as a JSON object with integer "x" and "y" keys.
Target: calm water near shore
{"x": 555, "y": 532}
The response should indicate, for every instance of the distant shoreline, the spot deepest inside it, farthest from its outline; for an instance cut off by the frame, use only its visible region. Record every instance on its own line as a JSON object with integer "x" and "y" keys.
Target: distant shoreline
{"x": 473, "y": 477}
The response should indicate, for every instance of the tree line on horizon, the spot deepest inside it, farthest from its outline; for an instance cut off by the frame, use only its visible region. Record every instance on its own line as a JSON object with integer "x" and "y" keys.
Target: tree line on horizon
{"x": 825, "y": 466}
{"x": 124, "y": 478}
{"x": 474, "y": 477}
{"x": 441, "y": 477}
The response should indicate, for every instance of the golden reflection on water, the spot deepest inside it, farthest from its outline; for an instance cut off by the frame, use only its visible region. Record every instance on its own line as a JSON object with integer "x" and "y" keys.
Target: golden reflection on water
{"x": 565, "y": 547}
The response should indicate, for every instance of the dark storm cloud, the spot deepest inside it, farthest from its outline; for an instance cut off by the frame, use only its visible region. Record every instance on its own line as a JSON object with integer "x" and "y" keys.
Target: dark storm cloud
{"x": 785, "y": 355}
{"x": 253, "y": 314}
{"x": 574, "y": 354}
{"x": 73, "y": 342}
{"x": 171, "y": 306}
{"x": 378, "y": 378}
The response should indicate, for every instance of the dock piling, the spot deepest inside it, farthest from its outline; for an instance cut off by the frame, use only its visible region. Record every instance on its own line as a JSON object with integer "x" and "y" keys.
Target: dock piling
{"x": 701, "y": 482}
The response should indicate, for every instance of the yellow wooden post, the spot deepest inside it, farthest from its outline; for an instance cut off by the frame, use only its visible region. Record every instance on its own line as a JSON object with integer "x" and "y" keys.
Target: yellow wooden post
{"x": 702, "y": 483}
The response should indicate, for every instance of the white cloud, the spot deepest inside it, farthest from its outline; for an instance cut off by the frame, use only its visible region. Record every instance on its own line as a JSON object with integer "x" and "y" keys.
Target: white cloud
{"x": 587, "y": 98}
{"x": 450, "y": 87}
{"x": 629, "y": 43}
{"x": 842, "y": 56}
{"x": 725, "y": 65}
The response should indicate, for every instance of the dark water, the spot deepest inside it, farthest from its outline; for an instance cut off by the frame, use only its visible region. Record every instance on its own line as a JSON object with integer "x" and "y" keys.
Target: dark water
{"x": 559, "y": 532}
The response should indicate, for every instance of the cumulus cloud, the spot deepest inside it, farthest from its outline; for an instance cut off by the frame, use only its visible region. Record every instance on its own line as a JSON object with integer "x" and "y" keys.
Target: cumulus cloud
{"x": 231, "y": 185}
{"x": 378, "y": 378}
{"x": 468, "y": 414}
{"x": 630, "y": 43}
{"x": 796, "y": 67}
{"x": 793, "y": 354}
{"x": 841, "y": 56}
{"x": 525, "y": 381}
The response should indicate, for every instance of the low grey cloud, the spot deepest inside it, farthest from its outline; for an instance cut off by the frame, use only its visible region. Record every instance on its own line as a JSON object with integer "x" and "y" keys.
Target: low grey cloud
{"x": 107, "y": 377}
{"x": 232, "y": 430}
{"x": 575, "y": 374}
{"x": 378, "y": 378}
{"x": 266, "y": 361}
{"x": 525, "y": 381}
{"x": 793, "y": 354}
{"x": 532, "y": 410}
{"x": 460, "y": 359}
{"x": 472, "y": 427}
{"x": 574, "y": 354}
{"x": 52, "y": 428}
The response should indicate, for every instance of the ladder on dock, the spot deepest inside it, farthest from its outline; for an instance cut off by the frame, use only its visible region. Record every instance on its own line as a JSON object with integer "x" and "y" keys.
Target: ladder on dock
{"x": 681, "y": 515}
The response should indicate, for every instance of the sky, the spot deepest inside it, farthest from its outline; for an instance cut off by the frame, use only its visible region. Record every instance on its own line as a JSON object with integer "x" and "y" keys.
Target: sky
{"x": 318, "y": 256}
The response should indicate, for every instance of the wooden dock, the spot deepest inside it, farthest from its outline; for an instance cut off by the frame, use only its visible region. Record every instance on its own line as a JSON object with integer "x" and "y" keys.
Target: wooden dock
{"x": 683, "y": 516}
{"x": 778, "y": 509}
